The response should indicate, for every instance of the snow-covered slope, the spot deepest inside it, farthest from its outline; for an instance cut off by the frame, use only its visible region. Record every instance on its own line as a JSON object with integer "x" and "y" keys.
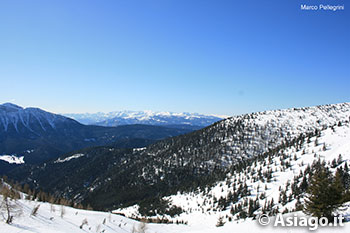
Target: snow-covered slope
{"x": 145, "y": 117}
{"x": 49, "y": 220}
{"x": 203, "y": 208}
{"x": 263, "y": 131}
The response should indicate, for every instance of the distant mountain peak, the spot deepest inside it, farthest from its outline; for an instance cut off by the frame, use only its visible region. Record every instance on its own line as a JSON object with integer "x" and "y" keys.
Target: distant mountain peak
{"x": 33, "y": 120}
{"x": 11, "y": 105}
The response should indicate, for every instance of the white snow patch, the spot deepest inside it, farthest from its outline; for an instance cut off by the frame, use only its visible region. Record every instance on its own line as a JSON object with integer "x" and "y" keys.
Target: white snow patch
{"x": 75, "y": 156}
{"x": 12, "y": 159}
{"x": 139, "y": 149}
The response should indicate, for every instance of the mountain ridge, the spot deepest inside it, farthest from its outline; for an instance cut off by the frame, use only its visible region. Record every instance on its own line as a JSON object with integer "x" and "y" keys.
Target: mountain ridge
{"x": 185, "y": 162}
{"x": 145, "y": 117}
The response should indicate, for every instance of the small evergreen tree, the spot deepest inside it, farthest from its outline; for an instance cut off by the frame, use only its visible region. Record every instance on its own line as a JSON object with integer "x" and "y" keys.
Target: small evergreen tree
{"x": 325, "y": 193}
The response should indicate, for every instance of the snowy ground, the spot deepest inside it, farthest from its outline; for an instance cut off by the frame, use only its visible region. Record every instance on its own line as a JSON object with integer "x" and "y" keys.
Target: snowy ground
{"x": 48, "y": 221}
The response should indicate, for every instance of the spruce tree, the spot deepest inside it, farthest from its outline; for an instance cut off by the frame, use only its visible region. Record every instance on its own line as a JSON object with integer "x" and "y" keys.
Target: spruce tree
{"x": 337, "y": 189}
{"x": 325, "y": 193}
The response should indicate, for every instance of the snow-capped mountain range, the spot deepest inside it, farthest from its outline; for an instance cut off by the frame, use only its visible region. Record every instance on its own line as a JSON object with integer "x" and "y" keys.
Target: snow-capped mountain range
{"x": 145, "y": 117}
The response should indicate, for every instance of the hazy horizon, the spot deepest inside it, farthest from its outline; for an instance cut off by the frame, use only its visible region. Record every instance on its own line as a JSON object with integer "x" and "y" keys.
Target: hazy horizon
{"x": 145, "y": 110}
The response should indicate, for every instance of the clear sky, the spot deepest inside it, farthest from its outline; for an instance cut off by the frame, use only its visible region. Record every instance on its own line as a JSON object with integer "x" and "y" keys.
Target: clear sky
{"x": 220, "y": 57}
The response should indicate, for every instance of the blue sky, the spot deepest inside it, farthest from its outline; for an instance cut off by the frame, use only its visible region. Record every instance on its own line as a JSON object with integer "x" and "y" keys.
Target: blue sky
{"x": 219, "y": 57}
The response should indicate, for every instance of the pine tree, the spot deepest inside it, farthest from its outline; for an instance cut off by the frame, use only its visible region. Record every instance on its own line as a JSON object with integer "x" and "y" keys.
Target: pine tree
{"x": 337, "y": 190}
{"x": 325, "y": 193}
